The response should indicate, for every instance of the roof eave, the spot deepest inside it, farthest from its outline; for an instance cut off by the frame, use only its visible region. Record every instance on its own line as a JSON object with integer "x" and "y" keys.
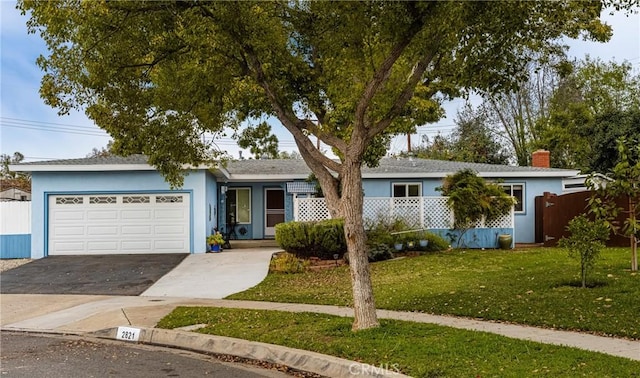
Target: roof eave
{"x": 80, "y": 168}
{"x": 519, "y": 174}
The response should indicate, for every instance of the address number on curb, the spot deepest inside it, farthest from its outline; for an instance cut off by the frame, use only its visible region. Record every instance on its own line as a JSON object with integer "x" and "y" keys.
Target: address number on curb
{"x": 128, "y": 334}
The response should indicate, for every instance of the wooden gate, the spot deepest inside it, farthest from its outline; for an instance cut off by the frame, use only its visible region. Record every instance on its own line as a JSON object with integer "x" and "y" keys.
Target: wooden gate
{"x": 553, "y": 213}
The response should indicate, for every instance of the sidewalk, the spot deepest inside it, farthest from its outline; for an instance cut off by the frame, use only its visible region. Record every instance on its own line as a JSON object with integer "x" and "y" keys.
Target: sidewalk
{"x": 92, "y": 314}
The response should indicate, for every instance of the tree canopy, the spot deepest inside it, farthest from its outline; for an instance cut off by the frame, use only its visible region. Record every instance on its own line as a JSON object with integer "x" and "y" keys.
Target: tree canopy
{"x": 157, "y": 75}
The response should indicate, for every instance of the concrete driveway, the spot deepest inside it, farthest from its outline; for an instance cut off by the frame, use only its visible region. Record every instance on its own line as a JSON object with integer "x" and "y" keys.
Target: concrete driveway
{"x": 214, "y": 275}
{"x": 208, "y": 276}
{"x": 89, "y": 275}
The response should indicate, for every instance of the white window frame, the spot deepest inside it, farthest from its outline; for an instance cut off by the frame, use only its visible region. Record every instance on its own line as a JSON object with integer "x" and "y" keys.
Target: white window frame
{"x": 510, "y": 185}
{"x": 236, "y": 189}
{"x": 406, "y": 185}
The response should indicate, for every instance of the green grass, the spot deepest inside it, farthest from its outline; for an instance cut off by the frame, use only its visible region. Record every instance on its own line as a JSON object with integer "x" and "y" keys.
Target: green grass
{"x": 420, "y": 350}
{"x": 532, "y": 286}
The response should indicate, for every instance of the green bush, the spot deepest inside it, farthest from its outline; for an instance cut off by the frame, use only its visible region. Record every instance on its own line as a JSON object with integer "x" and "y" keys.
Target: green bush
{"x": 320, "y": 239}
{"x": 380, "y": 252}
{"x": 436, "y": 243}
{"x": 376, "y": 252}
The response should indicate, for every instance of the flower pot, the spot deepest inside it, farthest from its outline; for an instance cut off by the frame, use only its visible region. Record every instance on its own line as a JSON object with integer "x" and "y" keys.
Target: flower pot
{"x": 398, "y": 246}
{"x": 423, "y": 243}
{"x": 505, "y": 241}
{"x": 215, "y": 248}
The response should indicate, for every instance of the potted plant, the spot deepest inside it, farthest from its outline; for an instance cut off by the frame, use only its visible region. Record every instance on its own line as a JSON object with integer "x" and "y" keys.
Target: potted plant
{"x": 215, "y": 241}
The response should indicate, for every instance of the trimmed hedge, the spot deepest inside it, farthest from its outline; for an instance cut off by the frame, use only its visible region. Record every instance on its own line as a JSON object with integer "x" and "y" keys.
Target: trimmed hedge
{"x": 320, "y": 239}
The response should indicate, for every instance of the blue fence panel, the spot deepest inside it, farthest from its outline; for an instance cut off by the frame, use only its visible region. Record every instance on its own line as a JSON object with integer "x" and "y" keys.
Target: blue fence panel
{"x": 474, "y": 237}
{"x": 15, "y": 246}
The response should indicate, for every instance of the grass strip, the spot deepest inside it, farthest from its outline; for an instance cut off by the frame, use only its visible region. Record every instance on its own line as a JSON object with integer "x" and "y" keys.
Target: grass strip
{"x": 538, "y": 287}
{"x": 416, "y": 349}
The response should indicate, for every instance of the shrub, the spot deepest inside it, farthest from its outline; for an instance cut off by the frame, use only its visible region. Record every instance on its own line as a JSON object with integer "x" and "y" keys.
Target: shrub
{"x": 380, "y": 252}
{"x": 436, "y": 243}
{"x": 585, "y": 243}
{"x": 288, "y": 263}
{"x": 376, "y": 252}
{"x": 320, "y": 239}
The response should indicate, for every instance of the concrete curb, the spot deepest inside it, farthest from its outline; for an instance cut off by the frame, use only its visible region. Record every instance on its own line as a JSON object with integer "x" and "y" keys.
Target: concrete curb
{"x": 298, "y": 359}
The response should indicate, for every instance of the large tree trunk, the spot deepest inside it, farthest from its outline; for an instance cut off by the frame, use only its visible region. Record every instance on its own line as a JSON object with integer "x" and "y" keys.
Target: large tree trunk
{"x": 351, "y": 206}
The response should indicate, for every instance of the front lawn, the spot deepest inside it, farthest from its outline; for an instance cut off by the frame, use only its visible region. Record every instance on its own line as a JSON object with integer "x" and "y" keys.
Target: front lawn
{"x": 416, "y": 349}
{"x": 538, "y": 287}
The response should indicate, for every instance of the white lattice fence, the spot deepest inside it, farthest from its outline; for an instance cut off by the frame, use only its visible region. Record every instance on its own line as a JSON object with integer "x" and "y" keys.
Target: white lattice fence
{"x": 310, "y": 209}
{"x": 436, "y": 213}
{"x": 423, "y": 212}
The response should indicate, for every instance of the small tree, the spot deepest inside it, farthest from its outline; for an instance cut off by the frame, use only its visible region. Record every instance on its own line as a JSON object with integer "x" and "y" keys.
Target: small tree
{"x": 472, "y": 199}
{"x": 586, "y": 241}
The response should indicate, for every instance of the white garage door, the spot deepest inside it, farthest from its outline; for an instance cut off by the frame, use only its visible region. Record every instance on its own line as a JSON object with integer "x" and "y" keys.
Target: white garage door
{"x": 119, "y": 223}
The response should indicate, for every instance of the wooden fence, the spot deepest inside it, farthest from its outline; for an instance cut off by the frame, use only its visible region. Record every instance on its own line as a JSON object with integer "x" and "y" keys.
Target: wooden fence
{"x": 553, "y": 213}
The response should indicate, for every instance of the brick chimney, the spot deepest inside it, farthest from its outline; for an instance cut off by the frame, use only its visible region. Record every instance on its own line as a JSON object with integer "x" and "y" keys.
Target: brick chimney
{"x": 541, "y": 159}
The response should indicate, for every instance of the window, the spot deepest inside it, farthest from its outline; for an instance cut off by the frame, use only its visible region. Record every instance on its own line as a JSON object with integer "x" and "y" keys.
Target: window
{"x": 136, "y": 199}
{"x": 517, "y": 191}
{"x": 407, "y": 189}
{"x": 239, "y": 205}
{"x": 69, "y": 200}
{"x": 102, "y": 200}
{"x": 168, "y": 199}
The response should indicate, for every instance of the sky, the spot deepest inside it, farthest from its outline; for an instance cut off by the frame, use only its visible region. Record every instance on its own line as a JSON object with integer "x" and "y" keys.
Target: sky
{"x": 29, "y": 126}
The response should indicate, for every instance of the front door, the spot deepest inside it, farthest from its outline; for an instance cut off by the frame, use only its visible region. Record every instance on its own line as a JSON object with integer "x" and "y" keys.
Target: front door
{"x": 274, "y": 210}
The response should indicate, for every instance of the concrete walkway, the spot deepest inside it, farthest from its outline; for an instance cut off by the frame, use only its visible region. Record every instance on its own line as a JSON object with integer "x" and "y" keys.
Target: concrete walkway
{"x": 214, "y": 275}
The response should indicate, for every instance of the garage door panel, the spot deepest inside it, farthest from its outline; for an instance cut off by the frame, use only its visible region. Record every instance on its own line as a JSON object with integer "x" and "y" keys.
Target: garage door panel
{"x": 102, "y": 245}
{"x": 119, "y": 223}
{"x": 102, "y": 230}
{"x": 69, "y": 231}
{"x": 145, "y": 230}
{"x": 136, "y": 214}
{"x": 169, "y": 230}
{"x": 133, "y": 245}
{"x": 102, "y": 215}
{"x": 172, "y": 214}
{"x": 69, "y": 215}
{"x": 70, "y": 247}
{"x": 168, "y": 245}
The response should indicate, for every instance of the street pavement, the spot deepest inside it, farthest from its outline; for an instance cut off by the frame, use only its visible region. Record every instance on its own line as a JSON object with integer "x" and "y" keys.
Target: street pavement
{"x": 201, "y": 280}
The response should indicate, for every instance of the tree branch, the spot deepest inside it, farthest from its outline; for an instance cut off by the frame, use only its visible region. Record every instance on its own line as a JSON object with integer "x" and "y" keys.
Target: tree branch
{"x": 405, "y": 95}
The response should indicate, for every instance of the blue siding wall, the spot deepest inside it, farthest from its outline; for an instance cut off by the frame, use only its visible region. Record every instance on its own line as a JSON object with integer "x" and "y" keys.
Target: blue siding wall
{"x": 45, "y": 183}
{"x": 15, "y": 246}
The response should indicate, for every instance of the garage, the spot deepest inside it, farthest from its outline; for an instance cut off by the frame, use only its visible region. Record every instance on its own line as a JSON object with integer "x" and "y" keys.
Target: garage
{"x": 122, "y": 223}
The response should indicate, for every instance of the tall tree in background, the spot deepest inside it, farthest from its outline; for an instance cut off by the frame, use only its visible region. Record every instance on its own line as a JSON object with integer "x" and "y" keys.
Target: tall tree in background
{"x": 260, "y": 141}
{"x": 474, "y": 140}
{"x": 102, "y": 152}
{"x": 519, "y": 112}
{"x": 592, "y": 107}
{"x": 19, "y": 180}
{"x": 157, "y": 75}
{"x": 438, "y": 148}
